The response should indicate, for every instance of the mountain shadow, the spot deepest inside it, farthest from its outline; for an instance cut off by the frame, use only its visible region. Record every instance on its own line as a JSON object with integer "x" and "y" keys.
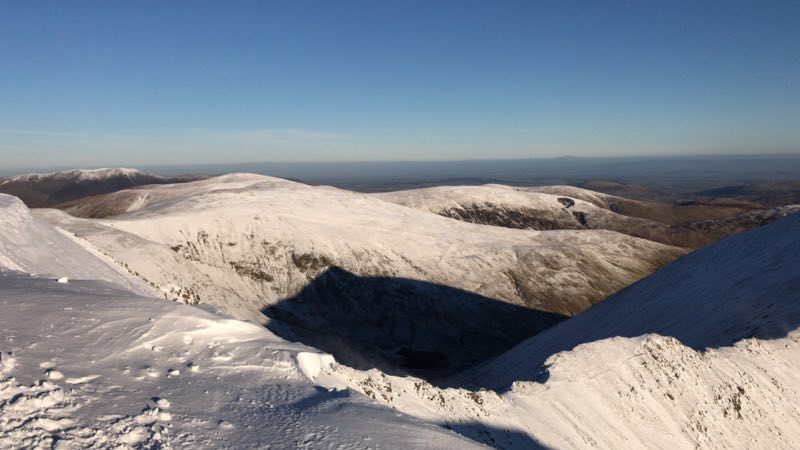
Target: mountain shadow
{"x": 402, "y": 325}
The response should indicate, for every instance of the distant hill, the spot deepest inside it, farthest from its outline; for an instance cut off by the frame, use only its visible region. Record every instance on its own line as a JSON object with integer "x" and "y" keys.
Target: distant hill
{"x": 571, "y": 208}
{"x": 54, "y": 189}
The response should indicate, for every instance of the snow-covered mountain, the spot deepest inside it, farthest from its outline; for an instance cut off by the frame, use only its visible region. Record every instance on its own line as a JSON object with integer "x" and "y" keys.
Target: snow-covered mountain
{"x": 80, "y": 175}
{"x": 59, "y": 188}
{"x": 701, "y": 354}
{"x": 568, "y": 208}
{"x": 704, "y": 353}
{"x": 358, "y": 276}
{"x": 90, "y": 364}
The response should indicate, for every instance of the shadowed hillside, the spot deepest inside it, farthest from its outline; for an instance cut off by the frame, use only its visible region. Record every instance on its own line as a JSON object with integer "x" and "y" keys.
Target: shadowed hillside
{"x": 400, "y": 324}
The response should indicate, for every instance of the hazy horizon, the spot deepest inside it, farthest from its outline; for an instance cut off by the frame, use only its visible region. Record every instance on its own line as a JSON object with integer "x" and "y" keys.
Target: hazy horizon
{"x": 678, "y": 174}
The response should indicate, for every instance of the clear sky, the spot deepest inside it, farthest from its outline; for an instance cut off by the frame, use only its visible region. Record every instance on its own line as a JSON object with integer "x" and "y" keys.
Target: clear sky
{"x": 161, "y": 82}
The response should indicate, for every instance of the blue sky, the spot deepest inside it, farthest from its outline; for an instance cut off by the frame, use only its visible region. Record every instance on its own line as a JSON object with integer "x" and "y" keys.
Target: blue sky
{"x": 127, "y": 83}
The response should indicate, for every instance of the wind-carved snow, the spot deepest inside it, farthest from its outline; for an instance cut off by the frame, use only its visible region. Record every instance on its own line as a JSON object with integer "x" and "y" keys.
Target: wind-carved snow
{"x": 147, "y": 373}
{"x": 372, "y": 281}
{"x": 42, "y": 415}
{"x": 311, "y": 364}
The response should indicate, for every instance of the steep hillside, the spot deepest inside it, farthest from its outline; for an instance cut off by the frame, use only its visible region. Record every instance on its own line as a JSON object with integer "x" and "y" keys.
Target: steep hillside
{"x": 573, "y": 208}
{"x": 370, "y": 281}
{"x": 745, "y": 286}
{"x": 702, "y": 354}
{"x": 87, "y": 363}
{"x": 55, "y": 189}
{"x": 30, "y": 245}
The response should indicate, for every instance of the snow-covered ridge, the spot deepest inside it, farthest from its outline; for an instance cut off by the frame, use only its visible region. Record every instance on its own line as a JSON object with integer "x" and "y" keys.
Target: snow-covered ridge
{"x": 565, "y": 207}
{"x": 64, "y": 189}
{"x": 14, "y": 212}
{"x": 598, "y": 199}
{"x": 80, "y": 175}
{"x": 29, "y": 245}
{"x": 163, "y": 195}
{"x": 512, "y": 207}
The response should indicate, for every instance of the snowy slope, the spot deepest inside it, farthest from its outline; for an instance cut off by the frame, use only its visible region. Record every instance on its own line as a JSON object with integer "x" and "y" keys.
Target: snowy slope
{"x": 354, "y": 274}
{"x": 745, "y": 286}
{"x": 566, "y": 207}
{"x": 28, "y": 244}
{"x": 86, "y": 365}
{"x": 598, "y": 199}
{"x": 491, "y": 204}
{"x": 703, "y": 354}
{"x": 135, "y": 199}
{"x": 89, "y": 364}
